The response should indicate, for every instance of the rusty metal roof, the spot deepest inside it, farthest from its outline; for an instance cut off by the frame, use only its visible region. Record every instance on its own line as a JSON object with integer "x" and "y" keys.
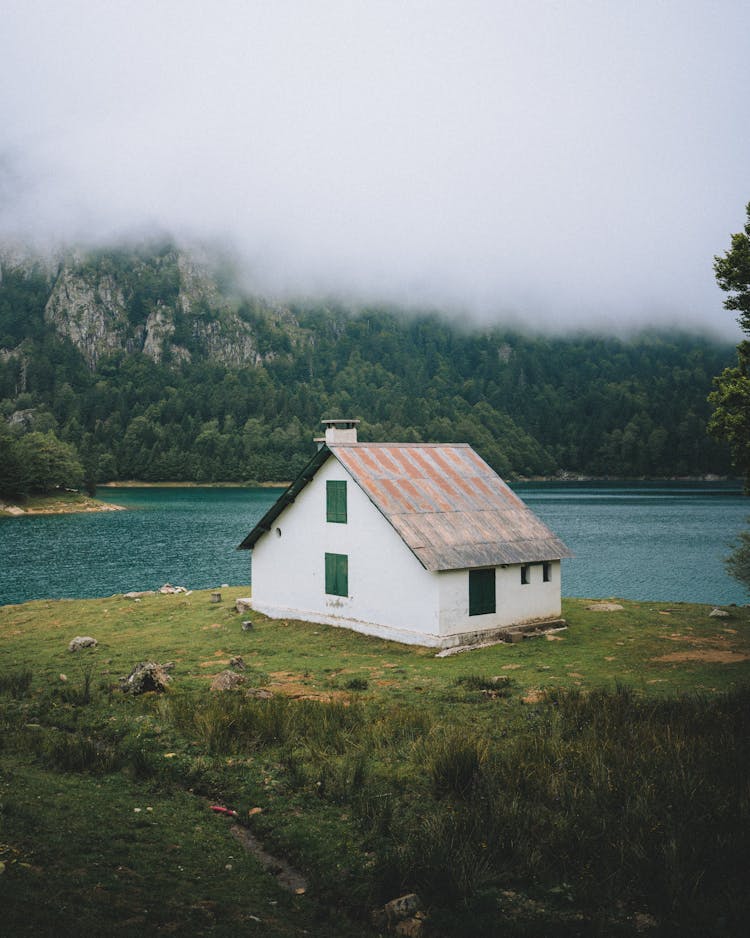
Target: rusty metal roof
{"x": 449, "y": 507}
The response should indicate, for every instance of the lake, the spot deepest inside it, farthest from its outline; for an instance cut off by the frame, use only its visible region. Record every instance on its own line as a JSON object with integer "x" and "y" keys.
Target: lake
{"x": 651, "y": 541}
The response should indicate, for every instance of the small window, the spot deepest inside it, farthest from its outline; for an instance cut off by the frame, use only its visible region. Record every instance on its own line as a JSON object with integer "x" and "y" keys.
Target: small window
{"x": 546, "y": 572}
{"x": 336, "y": 502}
{"x": 525, "y": 574}
{"x": 337, "y": 574}
{"x": 481, "y": 592}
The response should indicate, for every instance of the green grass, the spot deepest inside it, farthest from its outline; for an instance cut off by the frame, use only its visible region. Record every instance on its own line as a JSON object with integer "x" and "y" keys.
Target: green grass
{"x": 591, "y": 784}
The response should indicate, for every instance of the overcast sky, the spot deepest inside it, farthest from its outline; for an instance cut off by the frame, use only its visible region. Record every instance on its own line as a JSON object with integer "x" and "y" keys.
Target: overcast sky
{"x": 556, "y": 163}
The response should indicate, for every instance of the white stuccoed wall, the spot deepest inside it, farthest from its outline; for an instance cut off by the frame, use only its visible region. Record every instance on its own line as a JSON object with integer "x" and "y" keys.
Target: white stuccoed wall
{"x": 390, "y": 593}
{"x": 514, "y": 602}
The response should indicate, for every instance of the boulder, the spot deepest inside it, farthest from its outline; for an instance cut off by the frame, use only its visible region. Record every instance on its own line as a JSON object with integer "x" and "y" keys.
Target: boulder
{"x": 717, "y": 613}
{"x": 397, "y": 910}
{"x": 243, "y": 604}
{"x": 147, "y": 676}
{"x": 227, "y": 680}
{"x": 82, "y": 641}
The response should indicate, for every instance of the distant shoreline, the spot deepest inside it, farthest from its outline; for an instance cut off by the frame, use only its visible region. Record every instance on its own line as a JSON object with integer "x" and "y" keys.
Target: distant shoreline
{"x": 75, "y": 502}
{"x": 138, "y": 484}
{"x": 63, "y": 503}
{"x": 562, "y": 480}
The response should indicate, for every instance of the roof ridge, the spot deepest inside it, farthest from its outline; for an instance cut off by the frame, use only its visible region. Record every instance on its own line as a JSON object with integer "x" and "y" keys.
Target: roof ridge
{"x": 362, "y": 443}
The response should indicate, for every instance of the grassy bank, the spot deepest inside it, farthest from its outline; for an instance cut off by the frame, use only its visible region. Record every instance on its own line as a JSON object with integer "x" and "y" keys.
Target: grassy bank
{"x": 591, "y": 784}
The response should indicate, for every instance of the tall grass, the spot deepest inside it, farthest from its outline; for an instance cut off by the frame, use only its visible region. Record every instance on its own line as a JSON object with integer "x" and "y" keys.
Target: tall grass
{"x": 16, "y": 683}
{"x": 612, "y": 796}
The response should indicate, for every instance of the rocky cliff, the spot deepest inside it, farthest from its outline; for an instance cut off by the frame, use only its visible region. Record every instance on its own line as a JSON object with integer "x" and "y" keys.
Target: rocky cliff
{"x": 162, "y": 301}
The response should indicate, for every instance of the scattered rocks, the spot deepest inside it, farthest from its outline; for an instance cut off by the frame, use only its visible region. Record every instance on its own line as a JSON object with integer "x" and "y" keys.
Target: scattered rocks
{"x": 717, "y": 613}
{"x": 82, "y": 641}
{"x": 605, "y": 607}
{"x": 227, "y": 680}
{"x": 170, "y": 590}
{"x": 147, "y": 676}
{"x": 236, "y": 663}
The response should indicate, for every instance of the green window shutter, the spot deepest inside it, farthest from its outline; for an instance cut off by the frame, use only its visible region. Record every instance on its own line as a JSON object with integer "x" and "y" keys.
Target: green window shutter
{"x": 337, "y": 574}
{"x": 481, "y": 592}
{"x": 336, "y": 502}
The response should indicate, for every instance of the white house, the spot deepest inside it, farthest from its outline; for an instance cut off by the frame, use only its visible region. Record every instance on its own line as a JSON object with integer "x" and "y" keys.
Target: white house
{"x": 420, "y": 543}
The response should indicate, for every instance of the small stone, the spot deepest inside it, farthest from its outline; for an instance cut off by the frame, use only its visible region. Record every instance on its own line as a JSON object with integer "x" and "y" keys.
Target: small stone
{"x": 243, "y": 604}
{"x": 260, "y": 693}
{"x": 402, "y": 908}
{"x": 236, "y": 663}
{"x": 717, "y": 613}
{"x": 63, "y": 678}
{"x": 247, "y": 625}
{"x": 227, "y": 680}
{"x": 82, "y": 641}
{"x": 410, "y": 927}
{"x": 146, "y": 676}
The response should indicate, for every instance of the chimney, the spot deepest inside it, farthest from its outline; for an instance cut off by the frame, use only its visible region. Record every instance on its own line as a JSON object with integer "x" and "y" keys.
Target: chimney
{"x": 340, "y": 432}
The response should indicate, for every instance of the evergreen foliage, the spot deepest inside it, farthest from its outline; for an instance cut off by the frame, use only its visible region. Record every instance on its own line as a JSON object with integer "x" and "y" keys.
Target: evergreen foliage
{"x": 530, "y": 405}
{"x": 730, "y": 420}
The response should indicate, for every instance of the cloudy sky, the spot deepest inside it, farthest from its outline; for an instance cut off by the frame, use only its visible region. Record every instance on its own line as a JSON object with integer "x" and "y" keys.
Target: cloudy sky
{"x": 555, "y": 163}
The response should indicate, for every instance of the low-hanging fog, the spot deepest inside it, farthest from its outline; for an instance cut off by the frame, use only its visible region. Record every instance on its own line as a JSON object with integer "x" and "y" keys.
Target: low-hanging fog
{"x": 559, "y": 164}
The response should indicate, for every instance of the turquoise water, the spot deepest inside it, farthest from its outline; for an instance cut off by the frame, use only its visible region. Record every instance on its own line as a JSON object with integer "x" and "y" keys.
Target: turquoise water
{"x": 657, "y": 541}
{"x": 652, "y": 541}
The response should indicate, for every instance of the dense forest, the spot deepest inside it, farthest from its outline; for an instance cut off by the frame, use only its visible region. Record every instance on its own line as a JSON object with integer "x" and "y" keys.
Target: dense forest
{"x": 530, "y": 405}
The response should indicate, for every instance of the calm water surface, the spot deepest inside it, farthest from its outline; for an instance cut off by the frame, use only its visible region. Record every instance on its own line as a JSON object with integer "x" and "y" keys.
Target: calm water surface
{"x": 658, "y": 541}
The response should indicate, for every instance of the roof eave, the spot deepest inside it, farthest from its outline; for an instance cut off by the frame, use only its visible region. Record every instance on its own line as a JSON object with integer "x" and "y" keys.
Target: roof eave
{"x": 286, "y": 498}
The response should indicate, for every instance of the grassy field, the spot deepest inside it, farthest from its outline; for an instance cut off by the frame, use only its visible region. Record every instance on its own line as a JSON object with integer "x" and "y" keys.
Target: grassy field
{"x": 591, "y": 783}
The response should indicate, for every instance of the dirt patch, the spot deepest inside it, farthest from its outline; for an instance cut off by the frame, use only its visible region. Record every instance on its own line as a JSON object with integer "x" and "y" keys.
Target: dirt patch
{"x": 554, "y": 638}
{"x": 510, "y": 667}
{"x": 286, "y": 876}
{"x": 706, "y": 656}
{"x": 716, "y": 640}
{"x": 294, "y": 686}
{"x": 532, "y": 696}
{"x": 605, "y": 607}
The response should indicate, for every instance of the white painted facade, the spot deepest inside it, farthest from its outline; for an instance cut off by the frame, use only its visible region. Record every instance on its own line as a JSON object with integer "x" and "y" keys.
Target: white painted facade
{"x": 390, "y": 594}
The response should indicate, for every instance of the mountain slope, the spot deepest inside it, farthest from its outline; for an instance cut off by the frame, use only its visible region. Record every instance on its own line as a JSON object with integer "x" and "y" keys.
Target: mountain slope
{"x": 154, "y": 366}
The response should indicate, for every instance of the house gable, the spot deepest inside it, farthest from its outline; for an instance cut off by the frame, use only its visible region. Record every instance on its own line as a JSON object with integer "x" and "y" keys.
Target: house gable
{"x": 447, "y": 505}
